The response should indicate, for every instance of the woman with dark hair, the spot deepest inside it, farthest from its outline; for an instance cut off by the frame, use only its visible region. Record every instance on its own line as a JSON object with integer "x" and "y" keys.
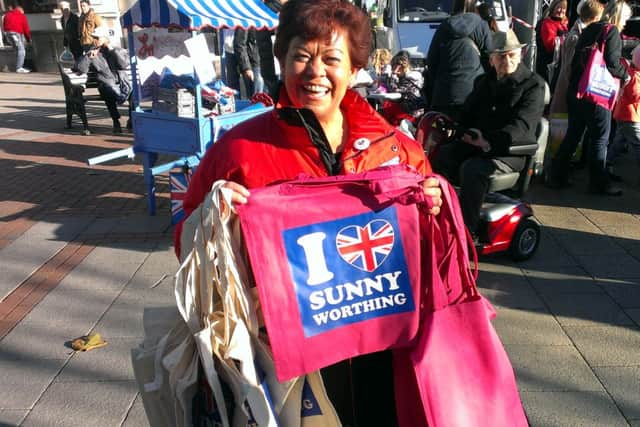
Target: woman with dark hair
{"x": 320, "y": 127}
{"x": 584, "y": 115}
{"x": 409, "y": 84}
{"x": 554, "y": 23}
{"x": 459, "y": 52}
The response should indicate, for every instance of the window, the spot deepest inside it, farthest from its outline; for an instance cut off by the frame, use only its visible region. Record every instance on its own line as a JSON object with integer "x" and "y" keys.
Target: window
{"x": 423, "y": 10}
{"x": 39, "y": 6}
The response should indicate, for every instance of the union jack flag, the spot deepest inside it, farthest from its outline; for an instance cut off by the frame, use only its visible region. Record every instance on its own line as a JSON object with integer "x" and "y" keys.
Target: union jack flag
{"x": 178, "y": 184}
{"x": 366, "y": 247}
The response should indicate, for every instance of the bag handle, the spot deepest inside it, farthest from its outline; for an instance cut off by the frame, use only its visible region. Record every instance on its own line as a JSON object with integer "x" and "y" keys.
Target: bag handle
{"x": 461, "y": 235}
{"x": 394, "y": 183}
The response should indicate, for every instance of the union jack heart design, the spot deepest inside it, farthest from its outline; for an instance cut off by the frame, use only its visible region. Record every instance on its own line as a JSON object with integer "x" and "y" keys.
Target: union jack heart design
{"x": 366, "y": 247}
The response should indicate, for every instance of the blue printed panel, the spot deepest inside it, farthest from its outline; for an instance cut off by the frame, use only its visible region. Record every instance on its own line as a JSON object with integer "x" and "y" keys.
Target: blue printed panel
{"x": 348, "y": 270}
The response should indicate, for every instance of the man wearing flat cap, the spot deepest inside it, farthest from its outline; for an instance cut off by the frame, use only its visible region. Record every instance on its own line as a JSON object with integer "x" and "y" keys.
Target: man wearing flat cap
{"x": 503, "y": 110}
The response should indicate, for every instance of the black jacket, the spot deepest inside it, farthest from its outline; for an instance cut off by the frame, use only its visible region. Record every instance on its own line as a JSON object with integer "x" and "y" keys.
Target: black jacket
{"x": 506, "y": 111}
{"x": 71, "y": 37}
{"x": 457, "y": 55}
{"x": 612, "y": 54}
{"x": 245, "y": 48}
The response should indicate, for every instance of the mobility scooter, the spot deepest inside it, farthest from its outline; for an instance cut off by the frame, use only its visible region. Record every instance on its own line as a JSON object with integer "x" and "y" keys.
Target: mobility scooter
{"x": 506, "y": 222}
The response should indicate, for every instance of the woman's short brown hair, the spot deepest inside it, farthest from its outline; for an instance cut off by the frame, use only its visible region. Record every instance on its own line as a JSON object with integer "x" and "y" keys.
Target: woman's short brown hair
{"x": 319, "y": 20}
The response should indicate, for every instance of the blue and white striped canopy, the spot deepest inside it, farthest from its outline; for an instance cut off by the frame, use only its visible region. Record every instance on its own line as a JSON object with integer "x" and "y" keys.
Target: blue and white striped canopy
{"x": 195, "y": 14}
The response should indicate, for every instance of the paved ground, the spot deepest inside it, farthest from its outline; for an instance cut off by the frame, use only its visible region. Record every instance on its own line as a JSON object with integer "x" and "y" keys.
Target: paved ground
{"x": 78, "y": 254}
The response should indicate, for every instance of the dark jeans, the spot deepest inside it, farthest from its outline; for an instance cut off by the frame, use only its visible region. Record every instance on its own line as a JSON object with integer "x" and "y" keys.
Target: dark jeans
{"x": 464, "y": 165}
{"x": 597, "y": 121}
{"x": 109, "y": 95}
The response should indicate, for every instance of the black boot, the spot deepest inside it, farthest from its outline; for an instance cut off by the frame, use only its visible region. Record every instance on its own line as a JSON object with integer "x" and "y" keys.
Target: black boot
{"x": 611, "y": 173}
{"x": 556, "y": 177}
{"x": 116, "y": 126}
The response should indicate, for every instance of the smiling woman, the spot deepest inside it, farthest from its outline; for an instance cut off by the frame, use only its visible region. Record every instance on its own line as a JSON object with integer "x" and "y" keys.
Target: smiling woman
{"x": 319, "y": 127}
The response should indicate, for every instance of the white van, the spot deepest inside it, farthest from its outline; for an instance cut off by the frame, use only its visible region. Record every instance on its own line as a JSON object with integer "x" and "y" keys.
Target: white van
{"x": 410, "y": 24}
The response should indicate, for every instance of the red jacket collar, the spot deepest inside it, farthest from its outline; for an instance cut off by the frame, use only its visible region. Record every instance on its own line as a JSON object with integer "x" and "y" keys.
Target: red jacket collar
{"x": 362, "y": 119}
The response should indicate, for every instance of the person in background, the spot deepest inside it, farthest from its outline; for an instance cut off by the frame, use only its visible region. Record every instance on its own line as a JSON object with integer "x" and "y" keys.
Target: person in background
{"x": 232, "y": 76}
{"x": 69, "y": 22}
{"x": 552, "y": 25}
{"x": 16, "y": 28}
{"x": 589, "y": 11}
{"x": 584, "y": 115}
{"x": 484, "y": 10}
{"x": 627, "y": 116}
{"x": 88, "y": 22}
{"x": 109, "y": 64}
{"x": 458, "y": 54}
{"x": 502, "y": 111}
{"x": 245, "y": 49}
{"x": 265, "y": 51}
{"x": 407, "y": 82}
{"x": 319, "y": 127}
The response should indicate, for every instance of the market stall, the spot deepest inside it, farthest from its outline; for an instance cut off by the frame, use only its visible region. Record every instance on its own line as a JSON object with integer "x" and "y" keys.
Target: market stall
{"x": 177, "y": 122}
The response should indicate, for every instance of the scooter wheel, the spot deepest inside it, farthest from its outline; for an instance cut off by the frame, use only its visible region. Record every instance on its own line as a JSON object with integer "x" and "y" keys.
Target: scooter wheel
{"x": 525, "y": 240}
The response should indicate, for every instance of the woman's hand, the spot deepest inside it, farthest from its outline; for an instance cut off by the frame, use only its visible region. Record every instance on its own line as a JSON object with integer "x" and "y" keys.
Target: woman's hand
{"x": 239, "y": 193}
{"x": 432, "y": 190}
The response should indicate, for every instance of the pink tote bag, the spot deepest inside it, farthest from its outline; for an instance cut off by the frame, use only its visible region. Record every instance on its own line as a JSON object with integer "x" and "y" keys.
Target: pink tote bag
{"x": 461, "y": 373}
{"x": 597, "y": 85}
{"x": 336, "y": 261}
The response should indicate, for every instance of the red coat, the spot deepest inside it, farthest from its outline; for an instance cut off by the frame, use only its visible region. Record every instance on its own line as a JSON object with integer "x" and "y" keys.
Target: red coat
{"x": 15, "y": 22}
{"x": 271, "y": 148}
{"x": 627, "y": 107}
{"x": 549, "y": 29}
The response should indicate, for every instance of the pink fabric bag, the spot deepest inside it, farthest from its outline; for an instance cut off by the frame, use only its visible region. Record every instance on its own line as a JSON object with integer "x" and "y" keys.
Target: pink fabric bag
{"x": 461, "y": 373}
{"x": 336, "y": 261}
{"x": 597, "y": 85}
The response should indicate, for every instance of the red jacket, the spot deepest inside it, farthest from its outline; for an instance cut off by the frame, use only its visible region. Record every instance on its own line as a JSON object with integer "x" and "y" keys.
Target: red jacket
{"x": 627, "y": 107}
{"x": 15, "y": 22}
{"x": 549, "y": 29}
{"x": 276, "y": 146}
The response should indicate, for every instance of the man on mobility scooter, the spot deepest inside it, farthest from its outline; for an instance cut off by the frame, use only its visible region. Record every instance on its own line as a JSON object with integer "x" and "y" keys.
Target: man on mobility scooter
{"x": 501, "y": 117}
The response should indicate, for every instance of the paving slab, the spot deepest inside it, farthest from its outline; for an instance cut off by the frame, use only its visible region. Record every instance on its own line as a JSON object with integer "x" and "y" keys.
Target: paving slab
{"x": 109, "y": 363}
{"x": 562, "y": 280}
{"x": 623, "y": 384}
{"x": 124, "y": 318}
{"x": 25, "y": 379}
{"x": 108, "y": 267}
{"x": 12, "y": 417}
{"x": 136, "y": 416}
{"x": 526, "y": 300}
{"x": 83, "y": 404}
{"x": 605, "y": 266}
{"x": 59, "y": 318}
{"x": 634, "y": 314}
{"x": 571, "y": 409}
{"x": 625, "y": 292}
{"x": 586, "y": 310}
{"x": 607, "y": 345}
{"x": 146, "y": 223}
{"x": 555, "y": 255}
{"x": 29, "y": 251}
{"x": 537, "y": 327}
{"x": 580, "y": 242}
{"x": 551, "y": 368}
